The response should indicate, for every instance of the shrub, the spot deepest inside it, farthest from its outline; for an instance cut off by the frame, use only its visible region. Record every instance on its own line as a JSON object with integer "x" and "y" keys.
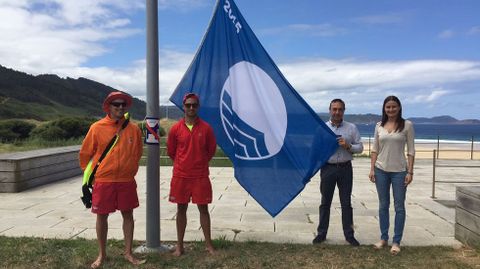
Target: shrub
{"x": 75, "y": 127}
{"x": 11, "y": 130}
{"x": 64, "y": 128}
{"x": 161, "y": 131}
{"x": 49, "y": 132}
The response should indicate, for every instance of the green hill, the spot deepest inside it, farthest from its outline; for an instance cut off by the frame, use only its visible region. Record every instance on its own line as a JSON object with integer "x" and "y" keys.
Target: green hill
{"x": 46, "y": 97}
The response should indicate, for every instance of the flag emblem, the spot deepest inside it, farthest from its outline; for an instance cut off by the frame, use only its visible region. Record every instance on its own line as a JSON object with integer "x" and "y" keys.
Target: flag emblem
{"x": 253, "y": 112}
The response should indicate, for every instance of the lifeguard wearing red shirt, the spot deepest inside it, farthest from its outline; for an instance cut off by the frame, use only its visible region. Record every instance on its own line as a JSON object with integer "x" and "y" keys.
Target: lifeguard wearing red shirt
{"x": 191, "y": 145}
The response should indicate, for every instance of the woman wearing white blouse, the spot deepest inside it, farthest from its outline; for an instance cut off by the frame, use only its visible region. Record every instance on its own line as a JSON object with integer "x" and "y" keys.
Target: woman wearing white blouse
{"x": 390, "y": 167}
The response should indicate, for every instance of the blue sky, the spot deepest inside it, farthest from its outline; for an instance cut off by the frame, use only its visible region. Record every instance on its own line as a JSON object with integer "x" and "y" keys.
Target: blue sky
{"x": 426, "y": 52}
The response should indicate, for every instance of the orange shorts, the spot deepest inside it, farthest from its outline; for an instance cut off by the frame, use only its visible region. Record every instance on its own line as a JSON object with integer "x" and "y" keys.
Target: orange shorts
{"x": 198, "y": 189}
{"x": 110, "y": 196}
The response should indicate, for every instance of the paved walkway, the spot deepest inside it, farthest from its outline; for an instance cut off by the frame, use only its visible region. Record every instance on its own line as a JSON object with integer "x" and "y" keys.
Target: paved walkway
{"x": 55, "y": 211}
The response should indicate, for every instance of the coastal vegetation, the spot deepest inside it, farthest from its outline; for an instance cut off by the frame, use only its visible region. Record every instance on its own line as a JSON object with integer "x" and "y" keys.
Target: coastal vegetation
{"x": 21, "y": 135}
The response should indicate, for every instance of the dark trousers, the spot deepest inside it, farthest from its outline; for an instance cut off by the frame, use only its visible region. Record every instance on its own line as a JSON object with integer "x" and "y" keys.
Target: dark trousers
{"x": 342, "y": 176}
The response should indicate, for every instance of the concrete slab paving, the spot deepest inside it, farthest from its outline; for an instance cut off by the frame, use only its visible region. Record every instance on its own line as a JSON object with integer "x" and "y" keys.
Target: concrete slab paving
{"x": 55, "y": 211}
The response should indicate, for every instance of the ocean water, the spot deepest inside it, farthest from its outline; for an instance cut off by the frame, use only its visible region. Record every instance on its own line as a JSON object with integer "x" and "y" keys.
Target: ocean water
{"x": 432, "y": 132}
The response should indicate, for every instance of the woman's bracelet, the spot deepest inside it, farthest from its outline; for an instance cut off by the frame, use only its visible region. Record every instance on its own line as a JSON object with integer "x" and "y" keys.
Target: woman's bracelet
{"x": 411, "y": 173}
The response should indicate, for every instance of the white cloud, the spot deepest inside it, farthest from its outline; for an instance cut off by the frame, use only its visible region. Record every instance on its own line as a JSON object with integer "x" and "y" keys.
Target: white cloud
{"x": 364, "y": 84}
{"x": 381, "y": 19}
{"x": 10, "y": 3}
{"x": 38, "y": 36}
{"x": 326, "y": 74}
{"x": 85, "y": 12}
{"x": 60, "y": 36}
{"x": 322, "y": 30}
{"x": 474, "y": 30}
{"x": 446, "y": 34}
{"x": 182, "y": 5}
{"x": 116, "y": 23}
{"x": 432, "y": 96}
{"x": 133, "y": 79}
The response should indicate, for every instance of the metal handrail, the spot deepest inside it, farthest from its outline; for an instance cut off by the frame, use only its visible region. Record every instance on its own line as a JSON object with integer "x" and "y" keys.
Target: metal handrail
{"x": 435, "y": 165}
{"x": 437, "y": 144}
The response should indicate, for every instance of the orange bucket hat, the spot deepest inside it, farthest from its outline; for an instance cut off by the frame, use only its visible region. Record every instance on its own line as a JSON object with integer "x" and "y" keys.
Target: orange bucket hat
{"x": 117, "y": 95}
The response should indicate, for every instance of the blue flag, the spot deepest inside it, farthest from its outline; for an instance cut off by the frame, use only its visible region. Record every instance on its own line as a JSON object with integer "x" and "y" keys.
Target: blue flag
{"x": 275, "y": 141}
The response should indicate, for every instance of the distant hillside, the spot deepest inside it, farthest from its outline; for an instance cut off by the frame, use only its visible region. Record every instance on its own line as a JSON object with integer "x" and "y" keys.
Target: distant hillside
{"x": 46, "y": 97}
{"x": 356, "y": 118}
{"x": 372, "y": 119}
{"x": 443, "y": 120}
{"x": 174, "y": 113}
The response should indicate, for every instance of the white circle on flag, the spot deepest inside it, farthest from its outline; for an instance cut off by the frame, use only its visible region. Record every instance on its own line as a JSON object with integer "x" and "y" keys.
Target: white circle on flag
{"x": 253, "y": 112}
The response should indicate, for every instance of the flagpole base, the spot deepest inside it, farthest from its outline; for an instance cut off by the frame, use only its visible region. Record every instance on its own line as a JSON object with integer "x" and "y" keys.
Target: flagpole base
{"x": 143, "y": 249}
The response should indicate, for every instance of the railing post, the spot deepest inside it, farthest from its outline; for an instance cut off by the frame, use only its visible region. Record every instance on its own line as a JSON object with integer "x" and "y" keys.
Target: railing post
{"x": 369, "y": 146}
{"x": 433, "y": 173}
{"x": 471, "y": 150}
{"x": 438, "y": 147}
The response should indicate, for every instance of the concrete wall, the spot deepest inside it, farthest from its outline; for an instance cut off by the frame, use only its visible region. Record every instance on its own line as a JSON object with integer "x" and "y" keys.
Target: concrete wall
{"x": 23, "y": 170}
{"x": 467, "y": 215}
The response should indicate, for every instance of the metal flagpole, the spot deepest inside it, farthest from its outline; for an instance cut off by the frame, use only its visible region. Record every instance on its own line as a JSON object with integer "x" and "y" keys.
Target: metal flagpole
{"x": 153, "y": 168}
{"x": 153, "y": 157}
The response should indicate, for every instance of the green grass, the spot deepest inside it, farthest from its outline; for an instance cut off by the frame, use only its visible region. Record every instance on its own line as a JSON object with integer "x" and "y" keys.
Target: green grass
{"x": 36, "y": 143}
{"x": 14, "y": 108}
{"x": 219, "y": 160}
{"x": 79, "y": 253}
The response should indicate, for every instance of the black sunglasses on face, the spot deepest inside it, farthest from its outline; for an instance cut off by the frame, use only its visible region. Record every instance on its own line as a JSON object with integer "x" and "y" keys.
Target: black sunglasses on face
{"x": 195, "y": 105}
{"x": 119, "y": 104}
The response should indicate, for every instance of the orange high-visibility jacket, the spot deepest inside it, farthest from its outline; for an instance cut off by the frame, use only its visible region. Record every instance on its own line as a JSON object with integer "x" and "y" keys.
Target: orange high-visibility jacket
{"x": 121, "y": 163}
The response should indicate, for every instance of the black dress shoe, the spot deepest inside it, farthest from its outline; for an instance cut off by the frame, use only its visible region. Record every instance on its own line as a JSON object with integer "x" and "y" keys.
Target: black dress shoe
{"x": 352, "y": 241}
{"x": 319, "y": 239}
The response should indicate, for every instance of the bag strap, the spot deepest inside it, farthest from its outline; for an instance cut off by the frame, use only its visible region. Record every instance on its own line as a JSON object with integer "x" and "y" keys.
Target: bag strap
{"x": 109, "y": 147}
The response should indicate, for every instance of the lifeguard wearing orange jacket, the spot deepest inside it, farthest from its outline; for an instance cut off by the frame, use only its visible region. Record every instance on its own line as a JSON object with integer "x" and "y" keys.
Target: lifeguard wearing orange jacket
{"x": 121, "y": 163}
{"x": 114, "y": 186}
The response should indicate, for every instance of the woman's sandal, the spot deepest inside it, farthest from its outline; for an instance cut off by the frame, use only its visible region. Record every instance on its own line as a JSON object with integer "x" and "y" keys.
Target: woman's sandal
{"x": 395, "y": 249}
{"x": 380, "y": 244}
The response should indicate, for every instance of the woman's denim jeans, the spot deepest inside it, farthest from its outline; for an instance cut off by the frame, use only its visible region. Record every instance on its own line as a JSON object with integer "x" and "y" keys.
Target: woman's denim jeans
{"x": 383, "y": 180}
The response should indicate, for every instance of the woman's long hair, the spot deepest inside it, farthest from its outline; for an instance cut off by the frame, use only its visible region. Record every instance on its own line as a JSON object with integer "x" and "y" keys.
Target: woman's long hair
{"x": 400, "y": 120}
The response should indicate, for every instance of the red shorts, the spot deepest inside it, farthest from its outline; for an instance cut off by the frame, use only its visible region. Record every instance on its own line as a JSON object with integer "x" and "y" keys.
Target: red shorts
{"x": 110, "y": 196}
{"x": 182, "y": 189}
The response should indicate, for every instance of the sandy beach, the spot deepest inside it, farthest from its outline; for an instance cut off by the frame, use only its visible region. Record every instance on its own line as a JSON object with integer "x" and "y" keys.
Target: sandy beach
{"x": 446, "y": 149}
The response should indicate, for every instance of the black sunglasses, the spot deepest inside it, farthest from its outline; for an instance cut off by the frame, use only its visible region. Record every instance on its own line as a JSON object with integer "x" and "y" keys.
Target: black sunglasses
{"x": 119, "y": 104}
{"x": 194, "y": 105}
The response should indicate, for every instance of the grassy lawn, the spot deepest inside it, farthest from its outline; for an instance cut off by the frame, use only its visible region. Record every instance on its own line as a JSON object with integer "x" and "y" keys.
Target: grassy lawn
{"x": 34, "y": 143}
{"x": 79, "y": 253}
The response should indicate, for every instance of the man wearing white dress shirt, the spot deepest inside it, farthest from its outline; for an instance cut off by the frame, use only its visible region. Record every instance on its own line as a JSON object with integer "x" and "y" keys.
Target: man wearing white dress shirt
{"x": 338, "y": 171}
